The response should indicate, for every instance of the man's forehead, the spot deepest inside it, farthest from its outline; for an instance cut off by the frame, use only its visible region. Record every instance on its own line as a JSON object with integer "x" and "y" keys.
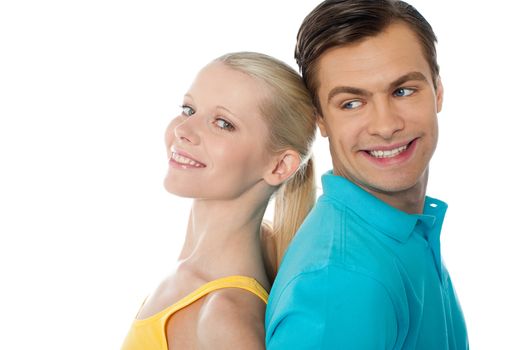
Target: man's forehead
{"x": 387, "y": 56}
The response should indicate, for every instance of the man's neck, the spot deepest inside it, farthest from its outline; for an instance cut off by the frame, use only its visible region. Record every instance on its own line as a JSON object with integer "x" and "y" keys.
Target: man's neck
{"x": 410, "y": 200}
{"x": 406, "y": 201}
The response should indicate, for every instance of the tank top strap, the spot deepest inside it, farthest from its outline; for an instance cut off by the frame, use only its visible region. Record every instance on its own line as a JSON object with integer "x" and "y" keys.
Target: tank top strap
{"x": 241, "y": 282}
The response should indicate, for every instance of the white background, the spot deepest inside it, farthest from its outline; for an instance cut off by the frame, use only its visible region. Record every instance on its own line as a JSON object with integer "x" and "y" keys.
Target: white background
{"x": 86, "y": 90}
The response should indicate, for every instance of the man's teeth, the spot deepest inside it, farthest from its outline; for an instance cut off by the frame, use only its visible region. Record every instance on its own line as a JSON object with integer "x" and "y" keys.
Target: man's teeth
{"x": 388, "y": 154}
{"x": 183, "y": 160}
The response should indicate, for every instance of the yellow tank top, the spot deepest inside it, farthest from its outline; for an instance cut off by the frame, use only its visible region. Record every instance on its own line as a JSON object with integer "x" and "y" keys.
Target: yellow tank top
{"x": 149, "y": 333}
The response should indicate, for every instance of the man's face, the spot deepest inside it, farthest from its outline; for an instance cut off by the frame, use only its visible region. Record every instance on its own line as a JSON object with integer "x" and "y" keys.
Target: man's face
{"x": 379, "y": 110}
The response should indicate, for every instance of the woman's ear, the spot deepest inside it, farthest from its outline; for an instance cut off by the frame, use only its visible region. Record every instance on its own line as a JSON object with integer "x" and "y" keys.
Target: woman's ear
{"x": 283, "y": 166}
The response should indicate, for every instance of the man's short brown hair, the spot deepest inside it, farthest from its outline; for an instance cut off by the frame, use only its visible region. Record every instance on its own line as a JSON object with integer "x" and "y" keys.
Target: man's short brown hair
{"x": 339, "y": 22}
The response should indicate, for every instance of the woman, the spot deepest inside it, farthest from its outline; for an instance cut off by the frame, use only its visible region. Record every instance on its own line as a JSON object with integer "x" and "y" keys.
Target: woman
{"x": 244, "y": 134}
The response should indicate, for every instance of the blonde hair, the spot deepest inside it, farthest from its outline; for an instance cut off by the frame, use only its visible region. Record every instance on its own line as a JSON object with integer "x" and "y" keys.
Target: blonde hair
{"x": 290, "y": 118}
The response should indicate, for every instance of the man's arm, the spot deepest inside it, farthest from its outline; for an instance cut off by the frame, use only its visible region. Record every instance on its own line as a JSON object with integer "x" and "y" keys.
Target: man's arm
{"x": 332, "y": 308}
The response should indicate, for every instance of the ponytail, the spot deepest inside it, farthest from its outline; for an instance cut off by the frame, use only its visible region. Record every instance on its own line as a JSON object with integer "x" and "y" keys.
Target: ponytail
{"x": 293, "y": 201}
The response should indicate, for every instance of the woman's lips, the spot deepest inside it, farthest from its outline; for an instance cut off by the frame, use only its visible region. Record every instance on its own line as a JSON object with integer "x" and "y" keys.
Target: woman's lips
{"x": 184, "y": 159}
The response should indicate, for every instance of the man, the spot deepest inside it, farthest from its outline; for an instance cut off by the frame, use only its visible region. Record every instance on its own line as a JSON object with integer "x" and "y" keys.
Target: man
{"x": 365, "y": 271}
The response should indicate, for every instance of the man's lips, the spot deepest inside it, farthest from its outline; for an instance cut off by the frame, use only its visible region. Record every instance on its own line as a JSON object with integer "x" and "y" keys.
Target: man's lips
{"x": 389, "y": 151}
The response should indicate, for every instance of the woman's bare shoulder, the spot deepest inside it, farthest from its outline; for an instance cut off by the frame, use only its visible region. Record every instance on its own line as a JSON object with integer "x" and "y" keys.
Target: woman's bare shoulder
{"x": 232, "y": 319}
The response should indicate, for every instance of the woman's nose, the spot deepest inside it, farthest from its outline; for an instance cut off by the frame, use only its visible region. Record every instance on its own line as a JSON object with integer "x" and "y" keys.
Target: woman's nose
{"x": 188, "y": 129}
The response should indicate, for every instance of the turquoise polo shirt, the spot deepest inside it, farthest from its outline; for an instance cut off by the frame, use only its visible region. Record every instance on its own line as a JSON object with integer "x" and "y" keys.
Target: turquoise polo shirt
{"x": 360, "y": 274}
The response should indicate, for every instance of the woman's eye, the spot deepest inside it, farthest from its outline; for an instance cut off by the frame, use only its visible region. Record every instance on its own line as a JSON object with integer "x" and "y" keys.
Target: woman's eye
{"x": 187, "y": 110}
{"x": 401, "y": 92}
{"x": 352, "y": 104}
{"x": 223, "y": 124}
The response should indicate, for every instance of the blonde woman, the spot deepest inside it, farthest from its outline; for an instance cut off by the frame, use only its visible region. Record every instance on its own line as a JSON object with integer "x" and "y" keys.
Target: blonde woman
{"x": 244, "y": 134}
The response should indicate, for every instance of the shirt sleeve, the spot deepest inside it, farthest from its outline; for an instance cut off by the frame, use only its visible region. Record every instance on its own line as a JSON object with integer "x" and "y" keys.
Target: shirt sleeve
{"x": 333, "y": 308}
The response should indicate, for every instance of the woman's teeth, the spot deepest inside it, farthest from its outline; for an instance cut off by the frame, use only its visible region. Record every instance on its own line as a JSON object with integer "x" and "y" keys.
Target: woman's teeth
{"x": 187, "y": 161}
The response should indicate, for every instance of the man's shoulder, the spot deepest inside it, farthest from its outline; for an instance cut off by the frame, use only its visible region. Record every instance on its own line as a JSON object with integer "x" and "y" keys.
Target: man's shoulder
{"x": 324, "y": 252}
{"x": 332, "y": 234}
{"x": 313, "y": 247}
{"x": 323, "y": 224}
{"x": 318, "y": 277}
{"x": 325, "y": 299}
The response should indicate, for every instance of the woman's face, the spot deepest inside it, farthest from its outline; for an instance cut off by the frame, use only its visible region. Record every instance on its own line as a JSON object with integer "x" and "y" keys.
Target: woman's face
{"x": 217, "y": 146}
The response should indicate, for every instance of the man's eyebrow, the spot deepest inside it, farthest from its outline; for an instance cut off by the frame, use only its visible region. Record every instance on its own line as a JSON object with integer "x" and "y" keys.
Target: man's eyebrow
{"x": 362, "y": 92}
{"x": 407, "y": 77}
{"x": 347, "y": 90}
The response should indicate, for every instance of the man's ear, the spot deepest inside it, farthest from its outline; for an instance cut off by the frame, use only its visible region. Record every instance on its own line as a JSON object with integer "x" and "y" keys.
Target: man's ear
{"x": 283, "y": 166}
{"x": 321, "y": 124}
{"x": 440, "y": 94}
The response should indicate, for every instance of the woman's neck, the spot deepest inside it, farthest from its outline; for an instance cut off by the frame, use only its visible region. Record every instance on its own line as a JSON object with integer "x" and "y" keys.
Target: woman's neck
{"x": 223, "y": 238}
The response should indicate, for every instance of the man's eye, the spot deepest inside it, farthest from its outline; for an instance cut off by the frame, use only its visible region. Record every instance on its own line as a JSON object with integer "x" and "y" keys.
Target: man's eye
{"x": 352, "y": 104}
{"x": 401, "y": 92}
{"x": 187, "y": 110}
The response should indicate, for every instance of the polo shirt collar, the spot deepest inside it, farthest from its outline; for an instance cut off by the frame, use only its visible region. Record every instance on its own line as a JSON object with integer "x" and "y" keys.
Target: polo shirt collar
{"x": 391, "y": 221}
